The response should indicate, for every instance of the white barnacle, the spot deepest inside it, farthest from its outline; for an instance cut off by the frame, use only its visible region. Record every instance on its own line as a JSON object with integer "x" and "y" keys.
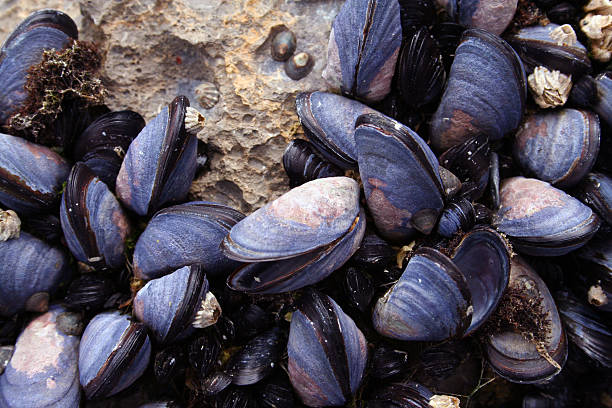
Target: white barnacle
{"x": 209, "y": 312}
{"x": 549, "y": 88}
{"x": 10, "y": 225}
{"x": 194, "y": 121}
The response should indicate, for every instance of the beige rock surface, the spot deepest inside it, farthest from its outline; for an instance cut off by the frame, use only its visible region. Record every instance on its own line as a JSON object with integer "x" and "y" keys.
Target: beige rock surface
{"x": 154, "y": 50}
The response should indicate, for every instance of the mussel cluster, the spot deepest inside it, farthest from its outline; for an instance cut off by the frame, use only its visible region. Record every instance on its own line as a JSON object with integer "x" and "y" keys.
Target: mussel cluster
{"x": 449, "y": 221}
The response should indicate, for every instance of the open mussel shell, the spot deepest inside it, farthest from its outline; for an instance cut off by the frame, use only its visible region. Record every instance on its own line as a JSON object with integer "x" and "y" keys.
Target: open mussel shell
{"x": 160, "y": 164}
{"x": 400, "y": 177}
{"x": 307, "y": 217}
{"x": 31, "y": 175}
{"x": 483, "y": 256}
{"x": 168, "y": 305}
{"x": 302, "y": 165}
{"x": 510, "y": 354}
{"x": 485, "y": 92}
{"x": 327, "y": 352}
{"x": 420, "y": 71}
{"x": 542, "y": 220}
{"x": 29, "y": 268}
{"x": 493, "y": 16}
{"x": 329, "y": 123}
{"x": 586, "y": 329}
{"x": 431, "y": 285}
{"x": 256, "y": 359}
{"x": 559, "y": 147}
{"x": 469, "y": 161}
{"x": 595, "y": 190}
{"x": 538, "y": 46}
{"x": 113, "y": 353}
{"x": 43, "y": 371}
{"x": 294, "y": 273}
{"x": 104, "y": 143}
{"x": 94, "y": 224}
{"x": 42, "y": 30}
{"x": 595, "y": 274}
{"x": 363, "y": 46}
{"x": 185, "y": 234}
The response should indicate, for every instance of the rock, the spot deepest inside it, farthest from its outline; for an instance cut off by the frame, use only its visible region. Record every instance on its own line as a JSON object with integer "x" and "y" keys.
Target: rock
{"x": 154, "y": 50}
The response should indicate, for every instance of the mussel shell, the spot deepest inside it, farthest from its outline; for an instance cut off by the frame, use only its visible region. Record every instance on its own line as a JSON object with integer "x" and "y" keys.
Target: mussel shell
{"x": 536, "y": 48}
{"x": 387, "y": 362}
{"x": 168, "y": 305}
{"x": 483, "y": 256}
{"x": 43, "y": 370}
{"x": 308, "y": 217}
{"x": 430, "y": 302}
{"x": 31, "y": 175}
{"x": 485, "y": 92}
{"x": 113, "y": 353}
{"x": 203, "y": 355}
{"x": 256, "y": 359}
{"x": 415, "y": 14}
{"x": 363, "y": 46}
{"x": 542, "y": 220}
{"x": 104, "y": 143}
{"x": 420, "y": 73}
{"x": 94, "y": 224}
{"x": 559, "y": 147}
{"x": 327, "y": 353}
{"x": 458, "y": 215}
{"x": 294, "y": 273}
{"x": 182, "y": 235}
{"x": 603, "y": 106}
{"x": 493, "y": 16}
{"x": 42, "y": 30}
{"x": 401, "y": 205}
{"x": 329, "y": 122}
{"x": 89, "y": 292}
{"x": 517, "y": 359}
{"x": 302, "y": 165}
{"x": 595, "y": 190}
{"x": 358, "y": 288}
{"x": 29, "y": 266}
{"x": 400, "y": 395}
{"x": 160, "y": 164}
{"x": 374, "y": 253}
{"x": 277, "y": 394}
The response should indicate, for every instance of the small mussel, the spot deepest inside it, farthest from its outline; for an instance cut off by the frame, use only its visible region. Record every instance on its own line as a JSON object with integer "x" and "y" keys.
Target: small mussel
{"x": 493, "y": 16}
{"x": 185, "y": 234}
{"x": 329, "y": 123}
{"x": 113, "y": 353}
{"x": 327, "y": 352}
{"x": 485, "y": 92}
{"x": 103, "y": 144}
{"x": 559, "y": 147}
{"x": 595, "y": 190}
{"x": 31, "y": 175}
{"x": 174, "y": 305}
{"x": 400, "y": 177}
{"x": 603, "y": 105}
{"x": 30, "y": 270}
{"x": 89, "y": 292}
{"x": 256, "y": 359}
{"x": 363, "y": 46}
{"x": 42, "y": 30}
{"x": 458, "y": 215}
{"x": 43, "y": 371}
{"x": 542, "y": 220}
{"x": 161, "y": 162}
{"x": 94, "y": 224}
{"x": 529, "y": 357}
{"x": 298, "y": 239}
{"x": 399, "y": 395}
{"x": 301, "y": 164}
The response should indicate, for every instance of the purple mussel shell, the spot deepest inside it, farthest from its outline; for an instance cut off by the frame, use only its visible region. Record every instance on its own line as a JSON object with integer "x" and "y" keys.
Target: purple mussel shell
{"x": 307, "y": 217}
{"x": 183, "y": 235}
{"x": 114, "y": 353}
{"x": 405, "y": 394}
{"x": 603, "y": 105}
{"x": 294, "y": 273}
{"x": 160, "y": 163}
{"x": 302, "y": 165}
{"x": 491, "y": 15}
{"x": 559, "y": 147}
{"x": 363, "y": 46}
{"x": 485, "y": 92}
{"x": 168, "y": 305}
{"x": 595, "y": 190}
{"x": 327, "y": 352}
{"x": 94, "y": 224}
{"x": 329, "y": 122}
{"x": 29, "y": 266}
{"x": 413, "y": 308}
{"x": 103, "y": 144}
{"x": 510, "y": 354}
{"x": 542, "y": 220}
{"x": 42, "y": 30}
{"x": 400, "y": 177}
{"x": 483, "y": 256}
{"x": 31, "y": 175}
{"x": 458, "y": 215}
{"x": 43, "y": 371}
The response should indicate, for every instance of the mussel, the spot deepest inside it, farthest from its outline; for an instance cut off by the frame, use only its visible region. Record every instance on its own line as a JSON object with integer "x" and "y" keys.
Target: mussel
{"x": 301, "y": 164}
{"x": 493, "y": 16}
{"x": 595, "y": 190}
{"x": 256, "y": 359}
